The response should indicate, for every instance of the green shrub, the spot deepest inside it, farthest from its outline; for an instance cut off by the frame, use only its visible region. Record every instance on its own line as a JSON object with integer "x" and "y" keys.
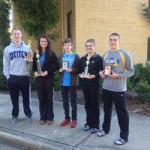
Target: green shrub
{"x": 56, "y": 81}
{"x": 143, "y": 90}
{"x": 3, "y": 81}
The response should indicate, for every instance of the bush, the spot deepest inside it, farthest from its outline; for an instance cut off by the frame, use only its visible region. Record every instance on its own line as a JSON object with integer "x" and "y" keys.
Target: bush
{"x": 143, "y": 91}
{"x": 140, "y": 82}
{"x": 3, "y": 81}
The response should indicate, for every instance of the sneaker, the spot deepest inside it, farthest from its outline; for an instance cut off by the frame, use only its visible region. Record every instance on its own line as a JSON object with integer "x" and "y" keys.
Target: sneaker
{"x": 14, "y": 120}
{"x": 86, "y": 127}
{"x": 120, "y": 141}
{"x": 49, "y": 122}
{"x": 64, "y": 122}
{"x": 42, "y": 122}
{"x": 94, "y": 130}
{"x": 101, "y": 133}
{"x": 73, "y": 124}
{"x": 29, "y": 119}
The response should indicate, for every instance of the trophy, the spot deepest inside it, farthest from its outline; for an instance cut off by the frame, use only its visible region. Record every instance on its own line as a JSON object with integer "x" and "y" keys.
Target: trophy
{"x": 86, "y": 73}
{"x": 38, "y": 63}
{"x": 107, "y": 70}
{"x": 65, "y": 65}
{"x": 29, "y": 56}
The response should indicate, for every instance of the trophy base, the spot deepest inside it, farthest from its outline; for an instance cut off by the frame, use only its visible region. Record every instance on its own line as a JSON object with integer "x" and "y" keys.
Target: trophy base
{"x": 28, "y": 60}
{"x": 40, "y": 74}
{"x": 84, "y": 75}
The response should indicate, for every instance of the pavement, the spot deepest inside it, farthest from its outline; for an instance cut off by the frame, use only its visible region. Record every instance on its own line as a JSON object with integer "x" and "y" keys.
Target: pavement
{"x": 32, "y": 136}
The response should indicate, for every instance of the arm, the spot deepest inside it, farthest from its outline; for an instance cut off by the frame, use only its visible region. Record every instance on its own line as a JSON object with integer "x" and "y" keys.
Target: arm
{"x": 129, "y": 68}
{"x": 6, "y": 64}
{"x": 55, "y": 66}
{"x": 75, "y": 67}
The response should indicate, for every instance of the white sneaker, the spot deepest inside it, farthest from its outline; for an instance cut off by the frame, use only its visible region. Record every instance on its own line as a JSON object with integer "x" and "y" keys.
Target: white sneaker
{"x": 14, "y": 120}
{"x": 120, "y": 141}
{"x": 29, "y": 119}
{"x": 101, "y": 133}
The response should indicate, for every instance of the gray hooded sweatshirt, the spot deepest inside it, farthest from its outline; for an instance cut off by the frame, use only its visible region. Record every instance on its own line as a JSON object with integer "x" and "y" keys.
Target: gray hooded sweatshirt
{"x": 14, "y": 62}
{"x": 114, "y": 59}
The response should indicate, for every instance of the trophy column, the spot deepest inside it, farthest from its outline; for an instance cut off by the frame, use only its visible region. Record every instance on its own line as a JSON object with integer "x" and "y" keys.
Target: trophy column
{"x": 38, "y": 63}
{"x": 86, "y": 73}
{"x": 29, "y": 57}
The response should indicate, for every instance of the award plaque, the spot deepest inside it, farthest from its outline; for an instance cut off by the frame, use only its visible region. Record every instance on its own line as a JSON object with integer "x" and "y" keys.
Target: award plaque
{"x": 29, "y": 56}
{"x": 107, "y": 70}
{"x": 38, "y": 63}
{"x": 65, "y": 65}
{"x": 86, "y": 73}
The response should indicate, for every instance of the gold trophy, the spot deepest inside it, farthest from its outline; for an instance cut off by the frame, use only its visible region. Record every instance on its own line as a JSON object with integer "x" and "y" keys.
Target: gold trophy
{"x": 40, "y": 73}
{"x": 29, "y": 56}
{"x": 107, "y": 70}
{"x": 86, "y": 73}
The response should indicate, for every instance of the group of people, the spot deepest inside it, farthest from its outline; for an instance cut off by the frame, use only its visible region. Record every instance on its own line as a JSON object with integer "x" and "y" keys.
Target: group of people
{"x": 89, "y": 68}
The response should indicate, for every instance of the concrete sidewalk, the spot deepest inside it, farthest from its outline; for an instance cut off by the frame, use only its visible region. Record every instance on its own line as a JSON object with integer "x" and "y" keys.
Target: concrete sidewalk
{"x": 44, "y": 137}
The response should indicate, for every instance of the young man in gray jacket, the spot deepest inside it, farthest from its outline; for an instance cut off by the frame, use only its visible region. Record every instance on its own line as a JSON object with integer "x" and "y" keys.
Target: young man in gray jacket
{"x": 118, "y": 66}
{"x": 16, "y": 70}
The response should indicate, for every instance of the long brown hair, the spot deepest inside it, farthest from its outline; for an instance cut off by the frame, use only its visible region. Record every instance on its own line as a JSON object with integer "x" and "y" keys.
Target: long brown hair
{"x": 48, "y": 50}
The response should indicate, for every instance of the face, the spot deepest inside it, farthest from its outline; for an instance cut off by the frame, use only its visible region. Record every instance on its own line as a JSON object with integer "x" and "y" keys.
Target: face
{"x": 43, "y": 43}
{"x": 114, "y": 42}
{"x": 67, "y": 47}
{"x": 16, "y": 36}
{"x": 90, "y": 47}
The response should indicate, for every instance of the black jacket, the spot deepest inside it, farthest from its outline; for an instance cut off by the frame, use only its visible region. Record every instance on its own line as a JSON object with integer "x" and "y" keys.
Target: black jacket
{"x": 96, "y": 65}
{"x": 50, "y": 64}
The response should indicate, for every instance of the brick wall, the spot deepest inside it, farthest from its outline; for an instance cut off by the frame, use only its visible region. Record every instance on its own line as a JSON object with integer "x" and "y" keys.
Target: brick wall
{"x": 98, "y": 18}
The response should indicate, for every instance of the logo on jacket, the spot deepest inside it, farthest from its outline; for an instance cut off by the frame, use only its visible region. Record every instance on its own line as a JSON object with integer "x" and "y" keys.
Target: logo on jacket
{"x": 17, "y": 54}
{"x": 112, "y": 61}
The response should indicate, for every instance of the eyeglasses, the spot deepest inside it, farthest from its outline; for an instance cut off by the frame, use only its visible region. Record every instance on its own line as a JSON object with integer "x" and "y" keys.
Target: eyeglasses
{"x": 89, "y": 45}
{"x": 113, "y": 40}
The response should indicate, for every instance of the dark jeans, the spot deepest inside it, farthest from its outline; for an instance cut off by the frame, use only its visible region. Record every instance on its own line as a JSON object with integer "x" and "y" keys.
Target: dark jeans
{"x": 91, "y": 96}
{"x": 72, "y": 91}
{"x": 45, "y": 96}
{"x": 119, "y": 99}
{"x": 16, "y": 84}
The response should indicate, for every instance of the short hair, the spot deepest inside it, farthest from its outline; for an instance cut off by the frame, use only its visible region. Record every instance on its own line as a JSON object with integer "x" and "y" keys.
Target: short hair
{"x": 15, "y": 28}
{"x": 91, "y": 41}
{"x": 114, "y": 34}
{"x": 67, "y": 40}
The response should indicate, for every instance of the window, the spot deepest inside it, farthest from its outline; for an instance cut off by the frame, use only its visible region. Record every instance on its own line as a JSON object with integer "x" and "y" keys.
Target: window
{"x": 148, "y": 49}
{"x": 69, "y": 22}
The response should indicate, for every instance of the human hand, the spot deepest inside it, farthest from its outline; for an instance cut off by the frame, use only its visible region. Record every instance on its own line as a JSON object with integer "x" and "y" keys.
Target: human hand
{"x": 36, "y": 74}
{"x": 81, "y": 76}
{"x": 102, "y": 75}
{"x": 45, "y": 73}
{"x": 69, "y": 69}
{"x": 114, "y": 75}
{"x": 61, "y": 70}
{"x": 90, "y": 76}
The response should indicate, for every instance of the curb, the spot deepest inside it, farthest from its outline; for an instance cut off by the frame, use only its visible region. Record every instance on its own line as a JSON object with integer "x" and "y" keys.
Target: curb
{"x": 28, "y": 141}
